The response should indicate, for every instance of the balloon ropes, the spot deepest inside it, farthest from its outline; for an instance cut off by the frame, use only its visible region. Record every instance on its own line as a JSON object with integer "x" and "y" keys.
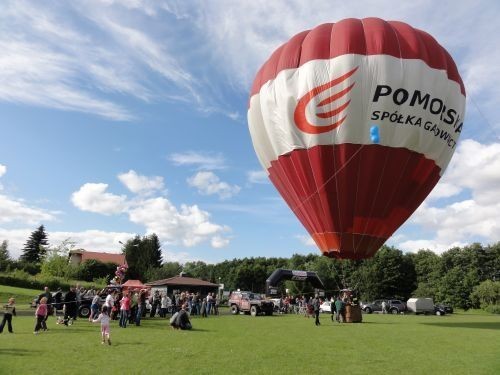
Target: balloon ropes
{"x": 280, "y": 274}
{"x": 355, "y": 122}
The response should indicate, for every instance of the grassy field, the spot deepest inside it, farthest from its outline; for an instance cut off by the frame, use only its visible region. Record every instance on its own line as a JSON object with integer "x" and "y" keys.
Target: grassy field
{"x": 23, "y": 296}
{"x": 382, "y": 344}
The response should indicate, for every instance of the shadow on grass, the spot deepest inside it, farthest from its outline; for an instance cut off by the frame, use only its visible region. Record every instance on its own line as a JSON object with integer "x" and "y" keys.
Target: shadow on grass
{"x": 73, "y": 329}
{"x": 199, "y": 330}
{"x": 133, "y": 343}
{"x": 474, "y": 325}
{"x": 18, "y": 352}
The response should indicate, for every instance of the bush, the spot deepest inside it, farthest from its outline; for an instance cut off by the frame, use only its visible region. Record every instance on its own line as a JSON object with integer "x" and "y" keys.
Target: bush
{"x": 22, "y": 279}
{"x": 92, "y": 269}
{"x": 486, "y": 294}
{"x": 101, "y": 281}
{"x": 31, "y": 268}
{"x": 56, "y": 266}
{"x": 492, "y": 309}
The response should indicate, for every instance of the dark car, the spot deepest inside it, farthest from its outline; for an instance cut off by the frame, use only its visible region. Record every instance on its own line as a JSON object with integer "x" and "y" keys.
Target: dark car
{"x": 444, "y": 307}
{"x": 394, "y": 306}
{"x": 85, "y": 302}
{"x": 57, "y": 302}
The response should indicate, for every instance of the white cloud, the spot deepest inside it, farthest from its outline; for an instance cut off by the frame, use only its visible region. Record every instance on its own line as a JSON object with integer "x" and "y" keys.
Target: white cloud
{"x": 181, "y": 257}
{"x": 475, "y": 168}
{"x": 306, "y": 240}
{"x": 13, "y": 210}
{"x": 141, "y": 184}
{"x": 43, "y": 62}
{"x": 199, "y": 160}
{"x": 51, "y": 58}
{"x": 187, "y": 226}
{"x": 219, "y": 242}
{"x": 93, "y": 197}
{"x": 257, "y": 177}
{"x": 3, "y": 170}
{"x": 208, "y": 183}
{"x": 444, "y": 190}
{"x": 92, "y": 240}
{"x": 17, "y": 210}
{"x": 415, "y": 245}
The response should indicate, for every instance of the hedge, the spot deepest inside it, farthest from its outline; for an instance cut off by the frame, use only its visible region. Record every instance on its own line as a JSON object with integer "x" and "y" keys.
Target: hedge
{"x": 37, "y": 282}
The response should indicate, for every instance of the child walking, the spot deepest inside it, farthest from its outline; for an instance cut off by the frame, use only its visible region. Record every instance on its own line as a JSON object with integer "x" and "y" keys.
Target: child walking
{"x": 41, "y": 314}
{"x": 8, "y": 310}
{"x": 104, "y": 319}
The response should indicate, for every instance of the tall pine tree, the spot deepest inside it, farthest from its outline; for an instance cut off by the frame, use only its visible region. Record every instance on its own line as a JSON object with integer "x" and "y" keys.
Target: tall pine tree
{"x": 34, "y": 248}
{"x": 153, "y": 253}
{"x": 4, "y": 255}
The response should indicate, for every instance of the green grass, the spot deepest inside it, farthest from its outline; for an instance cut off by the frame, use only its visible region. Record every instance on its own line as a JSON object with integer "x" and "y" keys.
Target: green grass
{"x": 23, "y": 296}
{"x": 284, "y": 344}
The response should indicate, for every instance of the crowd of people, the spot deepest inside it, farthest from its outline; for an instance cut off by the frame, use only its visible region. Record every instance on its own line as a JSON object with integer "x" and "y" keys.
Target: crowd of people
{"x": 127, "y": 306}
{"x": 309, "y": 306}
{"x": 131, "y": 306}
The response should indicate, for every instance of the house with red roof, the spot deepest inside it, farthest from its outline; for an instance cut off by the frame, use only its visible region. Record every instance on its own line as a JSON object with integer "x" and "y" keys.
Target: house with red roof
{"x": 183, "y": 283}
{"x": 79, "y": 256}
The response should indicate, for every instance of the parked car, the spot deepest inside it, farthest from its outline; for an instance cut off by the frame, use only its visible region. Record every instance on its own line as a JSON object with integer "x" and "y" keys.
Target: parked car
{"x": 250, "y": 303}
{"x": 85, "y": 302}
{"x": 57, "y": 302}
{"x": 394, "y": 306}
{"x": 448, "y": 309}
{"x": 439, "y": 310}
{"x": 325, "y": 307}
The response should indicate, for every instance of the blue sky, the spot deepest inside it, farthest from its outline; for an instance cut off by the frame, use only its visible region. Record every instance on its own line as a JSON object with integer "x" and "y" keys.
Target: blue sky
{"x": 129, "y": 117}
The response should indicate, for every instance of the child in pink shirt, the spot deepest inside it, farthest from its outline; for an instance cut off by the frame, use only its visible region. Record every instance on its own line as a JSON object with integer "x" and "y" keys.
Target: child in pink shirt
{"x": 105, "y": 320}
{"x": 124, "y": 310}
{"x": 41, "y": 314}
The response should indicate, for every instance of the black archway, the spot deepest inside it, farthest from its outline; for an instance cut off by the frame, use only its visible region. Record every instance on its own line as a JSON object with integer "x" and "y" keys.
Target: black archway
{"x": 281, "y": 274}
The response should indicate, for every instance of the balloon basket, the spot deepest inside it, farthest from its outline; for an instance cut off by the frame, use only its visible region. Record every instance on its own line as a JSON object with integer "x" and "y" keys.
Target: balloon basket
{"x": 353, "y": 314}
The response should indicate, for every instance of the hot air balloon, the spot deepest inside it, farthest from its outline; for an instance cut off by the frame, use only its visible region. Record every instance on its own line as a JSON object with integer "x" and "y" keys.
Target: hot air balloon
{"x": 355, "y": 122}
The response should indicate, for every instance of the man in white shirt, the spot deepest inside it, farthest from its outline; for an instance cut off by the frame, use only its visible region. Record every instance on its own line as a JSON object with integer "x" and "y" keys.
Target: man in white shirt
{"x": 110, "y": 300}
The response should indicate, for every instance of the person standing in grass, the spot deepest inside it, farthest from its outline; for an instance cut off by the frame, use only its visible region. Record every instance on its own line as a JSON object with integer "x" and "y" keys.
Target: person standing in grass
{"x": 333, "y": 309}
{"x": 8, "y": 310}
{"x": 141, "y": 307}
{"x": 124, "y": 310}
{"x": 339, "y": 310}
{"x": 105, "y": 320}
{"x": 316, "y": 303}
{"x": 41, "y": 315}
{"x": 70, "y": 310}
{"x": 94, "y": 307}
{"x": 133, "y": 307}
{"x": 204, "y": 308}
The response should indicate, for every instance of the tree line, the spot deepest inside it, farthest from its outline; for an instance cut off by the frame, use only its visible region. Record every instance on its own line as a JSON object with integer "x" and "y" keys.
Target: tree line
{"x": 465, "y": 277}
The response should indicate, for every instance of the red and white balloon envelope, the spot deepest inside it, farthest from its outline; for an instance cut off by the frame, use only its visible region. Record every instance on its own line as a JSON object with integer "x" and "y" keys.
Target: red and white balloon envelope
{"x": 355, "y": 123}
